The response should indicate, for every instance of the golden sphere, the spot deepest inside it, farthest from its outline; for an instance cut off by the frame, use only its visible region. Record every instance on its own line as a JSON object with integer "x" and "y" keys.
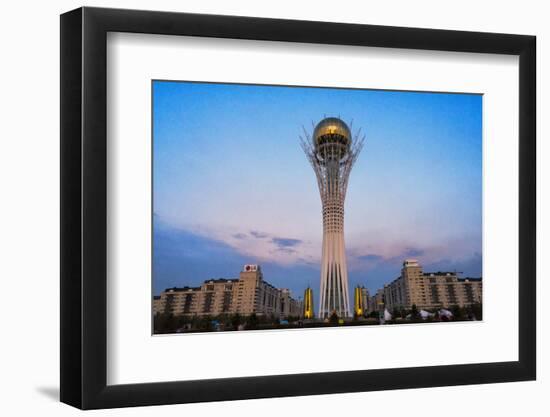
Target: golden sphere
{"x": 332, "y": 138}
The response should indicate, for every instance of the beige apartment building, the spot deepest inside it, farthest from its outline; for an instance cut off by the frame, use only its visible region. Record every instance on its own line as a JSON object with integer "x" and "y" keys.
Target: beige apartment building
{"x": 376, "y": 302}
{"x": 157, "y": 305}
{"x": 430, "y": 290}
{"x": 248, "y": 294}
{"x": 290, "y": 307}
{"x": 366, "y": 299}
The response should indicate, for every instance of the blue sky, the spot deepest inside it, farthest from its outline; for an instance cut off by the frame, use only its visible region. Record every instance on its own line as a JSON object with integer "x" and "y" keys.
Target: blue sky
{"x": 231, "y": 184}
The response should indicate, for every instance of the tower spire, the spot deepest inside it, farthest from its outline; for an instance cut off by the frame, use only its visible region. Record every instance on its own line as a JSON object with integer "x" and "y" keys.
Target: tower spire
{"x": 332, "y": 151}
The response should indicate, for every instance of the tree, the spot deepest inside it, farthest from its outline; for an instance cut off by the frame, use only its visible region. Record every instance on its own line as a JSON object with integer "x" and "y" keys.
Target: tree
{"x": 474, "y": 312}
{"x": 236, "y": 321}
{"x": 333, "y": 318}
{"x": 273, "y": 319}
{"x": 458, "y": 312}
{"x": 396, "y": 313}
{"x": 205, "y": 323}
{"x": 182, "y": 321}
{"x": 414, "y": 312}
{"x": 252, "y": 322}
{"x": 165, "y": 323}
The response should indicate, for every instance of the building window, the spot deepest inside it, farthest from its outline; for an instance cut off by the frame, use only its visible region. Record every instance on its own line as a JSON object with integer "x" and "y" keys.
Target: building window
{"x": 435, "y": 294}
{"x": 187, "y": 303}
{"x": 226, "y": 302}
{"x": 469, "y": 293}
{"x": 451, "y": 294}
{"x": 208, "y": 301}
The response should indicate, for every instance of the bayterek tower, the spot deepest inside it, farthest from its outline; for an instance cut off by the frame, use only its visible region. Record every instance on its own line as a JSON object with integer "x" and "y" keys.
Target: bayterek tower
{"x": 332, "y": 152}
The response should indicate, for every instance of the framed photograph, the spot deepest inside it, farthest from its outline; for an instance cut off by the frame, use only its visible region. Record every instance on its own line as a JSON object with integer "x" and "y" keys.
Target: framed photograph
{"x": 259, "y": 208}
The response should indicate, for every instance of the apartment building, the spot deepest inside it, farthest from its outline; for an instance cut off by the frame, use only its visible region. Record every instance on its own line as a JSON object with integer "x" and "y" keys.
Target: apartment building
{"x": 430, "y": 290}
{"x": 248, "y": 294}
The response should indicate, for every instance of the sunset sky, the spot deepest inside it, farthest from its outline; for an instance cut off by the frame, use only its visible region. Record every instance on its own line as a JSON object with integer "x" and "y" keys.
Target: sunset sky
{"x": 231, "y": 184}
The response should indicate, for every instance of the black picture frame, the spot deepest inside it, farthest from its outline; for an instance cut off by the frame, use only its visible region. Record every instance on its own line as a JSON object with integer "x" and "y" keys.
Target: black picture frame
{"x": 84, "y": 207}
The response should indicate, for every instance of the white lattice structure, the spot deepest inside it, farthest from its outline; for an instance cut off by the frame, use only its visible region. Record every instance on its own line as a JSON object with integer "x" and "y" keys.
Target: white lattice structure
{"x": 332, "y": 152}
